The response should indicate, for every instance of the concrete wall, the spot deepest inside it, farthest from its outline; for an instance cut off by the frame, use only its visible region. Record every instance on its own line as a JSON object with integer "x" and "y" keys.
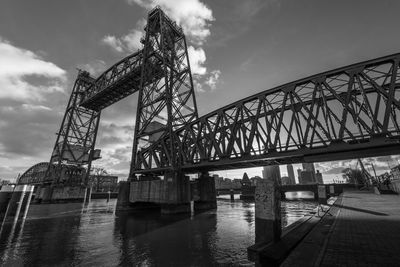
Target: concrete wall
{"x": 168, "y": 190}
{"x": 68, "y": 193}
{"x": 147, "y": 191}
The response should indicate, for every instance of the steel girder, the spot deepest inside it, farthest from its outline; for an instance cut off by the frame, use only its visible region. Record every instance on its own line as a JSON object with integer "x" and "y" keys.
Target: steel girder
{"x": 333, "y": 115}
{"x": 119, "y": 81}
{"x": 77, "y": 135}
{"x": 166, "y": 97}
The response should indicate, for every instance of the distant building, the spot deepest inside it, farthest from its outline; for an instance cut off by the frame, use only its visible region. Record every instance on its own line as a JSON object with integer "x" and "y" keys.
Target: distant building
{"x": 245, "y": 180}
{"x": 236, "y": 183}
{"x": 318, "y": 177}
{"x": 290, "y": 170}
{"x": 218, "y": 181}
{"x": 103, "y": 183}
{"x": 5, "y": 182}
{"x": 310, "y": 168}
{"x": 299, "y": 175}
{"x": 271, "y": 171}
{"x": 254, "y": 180}
{"x": 285, "y": 180}
{"x": 306, "y": 177}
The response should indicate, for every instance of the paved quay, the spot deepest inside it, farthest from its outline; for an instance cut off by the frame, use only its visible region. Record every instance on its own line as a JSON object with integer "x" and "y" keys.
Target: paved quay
{"x": 361, "y": 229}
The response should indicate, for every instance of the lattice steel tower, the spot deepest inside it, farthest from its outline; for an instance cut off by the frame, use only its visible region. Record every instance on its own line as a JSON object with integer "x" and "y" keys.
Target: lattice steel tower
{"x": 77, "y": 135}
{"x": 166, "y": 97}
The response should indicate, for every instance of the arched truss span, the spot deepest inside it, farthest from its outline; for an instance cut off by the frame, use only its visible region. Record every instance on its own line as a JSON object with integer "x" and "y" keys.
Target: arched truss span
{"x": 348, "y": 112}
{"x": 35, "y": 174}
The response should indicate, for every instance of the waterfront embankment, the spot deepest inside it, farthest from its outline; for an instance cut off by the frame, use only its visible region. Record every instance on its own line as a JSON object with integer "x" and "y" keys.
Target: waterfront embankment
{"x": 361, "y": 229}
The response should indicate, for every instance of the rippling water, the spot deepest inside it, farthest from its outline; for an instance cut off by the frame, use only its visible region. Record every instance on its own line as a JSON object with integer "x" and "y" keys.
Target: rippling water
{"x": 92, "y": 235}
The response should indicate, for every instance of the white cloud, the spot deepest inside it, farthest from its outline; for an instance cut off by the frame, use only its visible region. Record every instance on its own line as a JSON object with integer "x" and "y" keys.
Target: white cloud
{"x": 125, "y": 44}
{"x": 129, "y": 42}
{"x": 193, "y": 15}
{"x": 18, "y": 64}
{"x": 95, "y": 67}
{"x": 132, "y": 39}
{"x": 114, "y": 43}
{"x": 198, "y": 86}
{"x": 197, "y": 58}
{"x": 212, "y": 80}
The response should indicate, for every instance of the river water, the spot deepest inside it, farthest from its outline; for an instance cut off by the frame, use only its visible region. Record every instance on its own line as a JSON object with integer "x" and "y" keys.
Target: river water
{"x": 93, "y": 235}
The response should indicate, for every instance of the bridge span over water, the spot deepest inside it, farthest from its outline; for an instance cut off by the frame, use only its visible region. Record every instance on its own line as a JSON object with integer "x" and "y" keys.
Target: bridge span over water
{"x": 348, "y": 112}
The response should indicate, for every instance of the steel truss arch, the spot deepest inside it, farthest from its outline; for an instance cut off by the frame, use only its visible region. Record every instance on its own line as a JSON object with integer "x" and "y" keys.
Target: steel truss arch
{"x": 335, "y": 114}
{"x": 35, "y": 174}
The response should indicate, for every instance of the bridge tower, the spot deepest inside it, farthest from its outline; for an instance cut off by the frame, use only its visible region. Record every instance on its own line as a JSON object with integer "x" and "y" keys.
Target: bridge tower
{"x": 74, "y": 146}
{"x": 166, "y": 97}
{"x": 166, "y": 102}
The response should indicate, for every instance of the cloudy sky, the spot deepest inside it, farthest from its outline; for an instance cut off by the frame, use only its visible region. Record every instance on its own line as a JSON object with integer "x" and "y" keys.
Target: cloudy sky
{"x": 237, "y": 48}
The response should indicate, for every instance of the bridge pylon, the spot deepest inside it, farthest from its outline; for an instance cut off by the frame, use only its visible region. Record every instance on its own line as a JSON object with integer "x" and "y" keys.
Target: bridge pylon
{"x": 74, "y": 147}
{"x": 166, "y": 96}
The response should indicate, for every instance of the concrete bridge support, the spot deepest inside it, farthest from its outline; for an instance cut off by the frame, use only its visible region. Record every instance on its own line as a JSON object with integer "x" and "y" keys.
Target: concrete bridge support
{"x": 123, "y": 196}
{"x": 268, "y": 210}
{"x": 171, "y": 195}
{"x": 43, "y": 194}
{"x": 207, "y": 193}
{"x": 267, "y": 215}
{"x": 176, "y": 198}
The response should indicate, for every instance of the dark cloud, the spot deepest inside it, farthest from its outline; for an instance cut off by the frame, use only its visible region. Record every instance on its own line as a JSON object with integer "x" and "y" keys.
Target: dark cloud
{"x": 27, "y": 130}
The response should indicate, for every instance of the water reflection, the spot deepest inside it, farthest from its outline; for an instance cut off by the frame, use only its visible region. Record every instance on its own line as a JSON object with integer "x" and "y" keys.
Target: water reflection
{"x": 75, "y": 234}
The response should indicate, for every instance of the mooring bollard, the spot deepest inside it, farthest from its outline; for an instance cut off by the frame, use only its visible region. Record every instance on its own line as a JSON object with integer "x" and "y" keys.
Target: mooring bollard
{"x": 322, "y": 195}
{"x": 267, "y": 211}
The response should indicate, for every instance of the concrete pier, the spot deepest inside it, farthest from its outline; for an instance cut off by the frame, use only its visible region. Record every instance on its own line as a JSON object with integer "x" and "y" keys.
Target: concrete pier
{"x": 123, "y": 196}
{"x": 62, "y": 194}
{"x": 43, "y": 194}
{"x": 207, "y": 193}
{"x": 176, "y": 198}
{"x": 267, "y": 212}
{"x": 268, "y": 227}
{"x": 171, "y": 195}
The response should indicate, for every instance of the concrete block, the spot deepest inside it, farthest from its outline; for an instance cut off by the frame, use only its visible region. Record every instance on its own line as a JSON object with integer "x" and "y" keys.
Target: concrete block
{"x": 207, "y": 198}
{"x": 267, "y": 212}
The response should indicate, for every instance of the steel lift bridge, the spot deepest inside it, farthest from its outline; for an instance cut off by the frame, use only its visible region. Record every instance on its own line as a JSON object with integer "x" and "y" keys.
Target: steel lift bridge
{"x": 349, "y": 112}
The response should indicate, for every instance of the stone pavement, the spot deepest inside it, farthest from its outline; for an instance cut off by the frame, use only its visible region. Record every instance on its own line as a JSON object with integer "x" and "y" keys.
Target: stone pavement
{"x": 364, "y": 230}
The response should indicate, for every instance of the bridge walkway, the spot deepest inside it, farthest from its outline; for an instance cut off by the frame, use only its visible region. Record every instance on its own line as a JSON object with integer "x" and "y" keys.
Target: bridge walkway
{"x": 363, "y": 231}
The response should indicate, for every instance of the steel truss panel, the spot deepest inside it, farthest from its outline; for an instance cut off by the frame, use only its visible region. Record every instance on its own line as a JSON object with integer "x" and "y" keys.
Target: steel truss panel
{"x": 329, "y": 115}
{"x": 118, "y": 82}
